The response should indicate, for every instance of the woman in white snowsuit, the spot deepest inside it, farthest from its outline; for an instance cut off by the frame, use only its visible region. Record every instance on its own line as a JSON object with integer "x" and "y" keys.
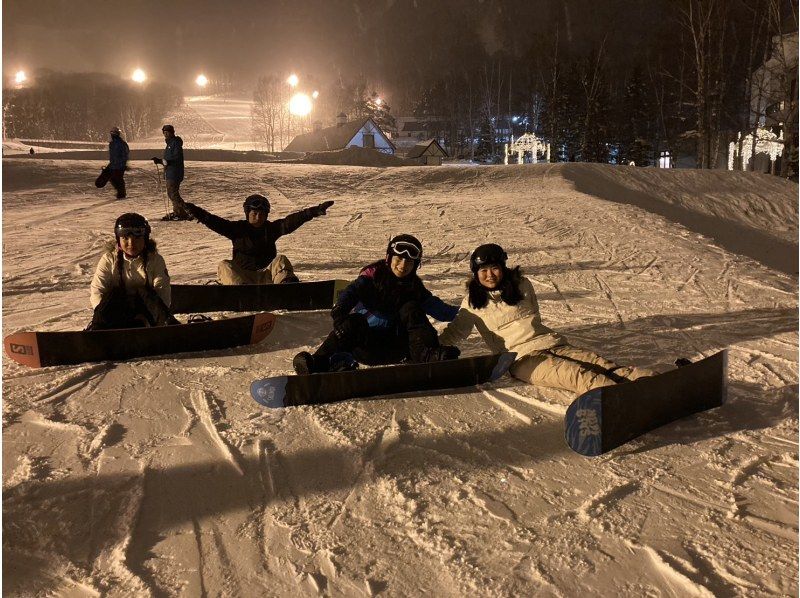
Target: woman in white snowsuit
{"x": 130, "y": 288}
{"x": 502, "y": 305}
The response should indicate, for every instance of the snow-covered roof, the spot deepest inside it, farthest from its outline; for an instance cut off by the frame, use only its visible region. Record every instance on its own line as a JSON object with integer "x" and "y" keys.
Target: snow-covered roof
{"x": 332, "y": 138}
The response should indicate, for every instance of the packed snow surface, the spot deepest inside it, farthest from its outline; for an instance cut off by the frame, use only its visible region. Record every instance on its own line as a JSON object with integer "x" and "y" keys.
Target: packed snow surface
{"x": 162, "y": 477}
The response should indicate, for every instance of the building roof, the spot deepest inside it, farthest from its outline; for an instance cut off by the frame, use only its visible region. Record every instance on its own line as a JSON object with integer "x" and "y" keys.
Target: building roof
{"x": 331, "y": 138}
{"x": 422, "y": 147}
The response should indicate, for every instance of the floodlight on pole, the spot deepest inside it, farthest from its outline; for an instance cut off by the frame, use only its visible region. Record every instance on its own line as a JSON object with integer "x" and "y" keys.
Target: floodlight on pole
{"x": 378, "y": 101}
{"x": 315, "y": 95}
{"x": 138, "y": 76}
{"x": 293, "y": 80}
{"x": 300, "y": 104}
{"x": 20, "y": 77}
{"x": 201, "y": 80}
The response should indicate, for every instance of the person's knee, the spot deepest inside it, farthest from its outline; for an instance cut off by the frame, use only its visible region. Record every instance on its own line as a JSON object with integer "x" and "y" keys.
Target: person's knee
{"x": 354, "y": 327}
{"x": 411, "y": 312}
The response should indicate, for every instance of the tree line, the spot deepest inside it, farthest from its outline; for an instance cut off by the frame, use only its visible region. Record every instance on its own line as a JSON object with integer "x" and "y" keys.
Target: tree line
{"x": 83, "y": 106}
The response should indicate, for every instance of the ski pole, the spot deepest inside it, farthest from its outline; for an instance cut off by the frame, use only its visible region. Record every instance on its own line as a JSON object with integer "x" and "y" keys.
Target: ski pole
{"x": 166, "y": 197}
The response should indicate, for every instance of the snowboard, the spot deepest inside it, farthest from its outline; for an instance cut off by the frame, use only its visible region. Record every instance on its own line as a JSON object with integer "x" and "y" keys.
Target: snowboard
{"x": 102, "y": 180}
{"x": 39, "y": 349}
{"x": 316, "y": 389}
{"x": 605, "y": 418}
{"x": 295, "y": 296}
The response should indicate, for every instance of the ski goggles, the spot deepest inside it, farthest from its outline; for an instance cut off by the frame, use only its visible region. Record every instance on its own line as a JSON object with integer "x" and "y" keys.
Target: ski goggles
{"x": 131, "y": 231}
{"x": 405, "y": 249}
{"x": 257, "y": 204}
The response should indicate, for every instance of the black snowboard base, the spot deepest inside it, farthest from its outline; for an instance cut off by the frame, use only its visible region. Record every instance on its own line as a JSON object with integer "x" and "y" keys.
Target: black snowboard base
{"x": 605, "y": 418}
{"x": 295, "y": 296}
{"x": 315, "y": 389}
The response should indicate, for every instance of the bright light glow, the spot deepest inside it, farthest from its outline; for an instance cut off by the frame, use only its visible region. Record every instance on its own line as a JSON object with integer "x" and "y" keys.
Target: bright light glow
{"x": 20, "y": 77}
{"x": 293, "y": 80}
{"x": 378, "y": 101}
{"x": 300, "y": 104}
{"x": 201, "y": 80}
{"x": 138, "y": 76}
{"x": 315, "y": 95}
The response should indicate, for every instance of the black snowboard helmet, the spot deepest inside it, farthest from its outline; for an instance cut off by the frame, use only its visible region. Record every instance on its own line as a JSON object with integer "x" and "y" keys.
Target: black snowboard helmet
{"x": 488, "y": 254}
{"x": 132, "y": 223}
{"x": 169, "y": 128}
{"x": 406, "y": 246}
{"x": 256, "y": 202}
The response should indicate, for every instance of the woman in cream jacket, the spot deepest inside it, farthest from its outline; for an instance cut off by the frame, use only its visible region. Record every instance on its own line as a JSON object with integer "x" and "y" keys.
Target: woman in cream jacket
{"x": 502, "y": 305}
{"x": 130, "y": 287}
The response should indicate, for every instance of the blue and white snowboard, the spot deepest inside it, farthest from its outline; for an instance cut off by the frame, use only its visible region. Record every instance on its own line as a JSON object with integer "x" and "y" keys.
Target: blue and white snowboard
{"x": 605, "y": 418}
{"x": 315, "y": 389}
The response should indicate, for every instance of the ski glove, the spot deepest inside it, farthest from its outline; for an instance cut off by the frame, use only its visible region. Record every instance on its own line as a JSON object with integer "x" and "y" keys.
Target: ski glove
{"x": 339, "y": 314}
{"x": 321, "y": 208}
{"x": 158, "y": 161}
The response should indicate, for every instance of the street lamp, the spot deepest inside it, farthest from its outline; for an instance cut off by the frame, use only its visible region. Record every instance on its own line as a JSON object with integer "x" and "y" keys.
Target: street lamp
{"x": 20, "y": 77}
{"x": 138, "y": 76}
{"x": 315, "y": 95}
{"x": 300, "y": 104}
{"x": 201, "y": 80}
{"x": 378, "y": 101}
{"x": 293, "y": 80}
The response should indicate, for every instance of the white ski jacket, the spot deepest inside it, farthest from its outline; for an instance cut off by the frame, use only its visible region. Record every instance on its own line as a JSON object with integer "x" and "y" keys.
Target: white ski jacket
{"x": 106, "y": 277}
{"x": 504, "y": 327}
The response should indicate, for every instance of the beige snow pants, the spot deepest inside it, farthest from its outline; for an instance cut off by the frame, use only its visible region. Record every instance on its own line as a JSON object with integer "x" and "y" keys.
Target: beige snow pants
{"x": 278, "y": 269}
{"x": 571, "y": 368}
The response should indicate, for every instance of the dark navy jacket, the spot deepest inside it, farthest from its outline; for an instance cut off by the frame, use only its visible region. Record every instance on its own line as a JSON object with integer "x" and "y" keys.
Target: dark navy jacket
{"x": 173, "y": 159}
{"x": 118, "y": 153}
{"x": 381, "y": 306}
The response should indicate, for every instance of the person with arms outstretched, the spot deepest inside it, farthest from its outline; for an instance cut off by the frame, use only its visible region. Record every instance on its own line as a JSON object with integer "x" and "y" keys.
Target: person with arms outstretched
{"x": 255, "y": 257}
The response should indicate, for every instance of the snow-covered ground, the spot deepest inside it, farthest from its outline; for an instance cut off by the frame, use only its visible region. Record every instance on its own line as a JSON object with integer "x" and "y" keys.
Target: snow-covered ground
{"x": 162, "y": 476}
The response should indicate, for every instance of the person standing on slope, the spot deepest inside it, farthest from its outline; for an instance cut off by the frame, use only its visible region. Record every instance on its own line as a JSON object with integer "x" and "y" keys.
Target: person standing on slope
{"x": 173, "y": 172}
{"x": 502, "y": 305}
{"x": 118, "y": 153}
{"x": 382, "y": 317}
{"x": 130, "y": 288}
{"x": 255, "y": 257}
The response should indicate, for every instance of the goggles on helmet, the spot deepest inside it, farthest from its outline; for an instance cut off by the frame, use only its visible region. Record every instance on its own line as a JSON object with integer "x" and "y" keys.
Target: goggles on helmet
{"x": 405, "y": 249}
{"x": 131, "y": 231}
{"x": 257, "y": 204}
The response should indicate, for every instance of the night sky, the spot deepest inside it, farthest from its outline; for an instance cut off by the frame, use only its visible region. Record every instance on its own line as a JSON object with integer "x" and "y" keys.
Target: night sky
{"x": 388, "y": 41}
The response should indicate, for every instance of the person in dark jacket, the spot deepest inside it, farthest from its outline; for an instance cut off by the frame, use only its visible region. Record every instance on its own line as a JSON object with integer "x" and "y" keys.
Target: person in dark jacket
{"x": 255, "y": 257}
{"x": 173, "y": 172}
{"x": 382, "y": 317}
{"x": 118, "y": 153}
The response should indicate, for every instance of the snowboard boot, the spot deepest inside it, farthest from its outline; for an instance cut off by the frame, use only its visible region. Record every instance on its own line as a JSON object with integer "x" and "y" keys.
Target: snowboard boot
{"x": 682, "y": 362}
{"x": 440, "y": 353}
{"x": 342, "y": 362}
{"x": 305, "y": 363}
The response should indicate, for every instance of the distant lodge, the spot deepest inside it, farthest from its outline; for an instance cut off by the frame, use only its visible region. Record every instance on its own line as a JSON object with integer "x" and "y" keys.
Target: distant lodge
{"x": 365, "y": 132}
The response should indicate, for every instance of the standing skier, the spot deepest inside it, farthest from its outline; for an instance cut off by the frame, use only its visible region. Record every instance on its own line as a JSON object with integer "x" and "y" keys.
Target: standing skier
{"x": 382, "y": 317}
{"x": 130, "y": 288}
{"x": 502, "y": 305}
{"x": 118, "y": 153}
{"x": 255, "y": 257}
{"x": 173, "y": 172}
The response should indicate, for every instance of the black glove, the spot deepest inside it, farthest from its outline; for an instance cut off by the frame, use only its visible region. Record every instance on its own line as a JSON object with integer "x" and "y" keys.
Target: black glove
{"x": 321, "y": 208}
{"x": 158, "y": 161}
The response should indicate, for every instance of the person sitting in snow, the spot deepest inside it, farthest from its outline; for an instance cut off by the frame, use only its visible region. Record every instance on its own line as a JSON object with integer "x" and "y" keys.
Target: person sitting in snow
{"x": 502, "y": 305}
{"x": 382, "y": 317}
{"x": 130, "y": 288}
{"x": 255, "y": 257}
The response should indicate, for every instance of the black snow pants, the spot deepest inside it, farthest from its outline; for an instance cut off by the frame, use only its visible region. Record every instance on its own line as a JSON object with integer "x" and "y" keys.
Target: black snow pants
{"x": 119, "y": 310}
{"x": 413, "y": 339}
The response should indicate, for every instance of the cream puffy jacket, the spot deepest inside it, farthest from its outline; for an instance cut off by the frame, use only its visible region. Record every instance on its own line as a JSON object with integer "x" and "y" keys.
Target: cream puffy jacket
{"x": 106, "y": 277}
{"x": 504, "y": 327}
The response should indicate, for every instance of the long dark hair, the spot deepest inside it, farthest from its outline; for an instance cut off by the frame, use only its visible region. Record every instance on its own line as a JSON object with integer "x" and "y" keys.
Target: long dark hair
{"x": 149, "y": 247}
{"x": 509, "y": 289}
